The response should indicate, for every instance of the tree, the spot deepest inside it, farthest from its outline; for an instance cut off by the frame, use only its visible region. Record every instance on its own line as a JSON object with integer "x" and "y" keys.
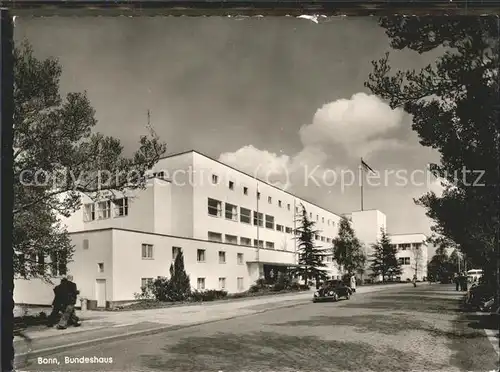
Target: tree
{"x": 384, "y": 261}
{"x": 179, "y": 279}
{"x": 454, "y": 106}
{"x": 310, "y": 261}
{"x": 417, "y": 260}
{"x": 347, "y": 249}
{"x": 58, "y": 157}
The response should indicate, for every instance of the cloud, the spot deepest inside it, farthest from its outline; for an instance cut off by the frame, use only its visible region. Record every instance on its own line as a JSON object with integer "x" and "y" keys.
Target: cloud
{"x": 354, "y": 127}
{"x": 356, "y": 124}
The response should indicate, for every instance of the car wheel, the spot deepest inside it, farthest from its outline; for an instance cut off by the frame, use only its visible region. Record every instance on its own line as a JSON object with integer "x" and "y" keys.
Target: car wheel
{"x": 335, "y": 297}
{"x": 348, "y": 296}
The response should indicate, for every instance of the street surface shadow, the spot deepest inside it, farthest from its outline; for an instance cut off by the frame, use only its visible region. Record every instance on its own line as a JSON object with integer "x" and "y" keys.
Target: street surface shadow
{"x": 407, "y": 303}
{"x": 389, "y": 324}
{"x": 266, "y": 351}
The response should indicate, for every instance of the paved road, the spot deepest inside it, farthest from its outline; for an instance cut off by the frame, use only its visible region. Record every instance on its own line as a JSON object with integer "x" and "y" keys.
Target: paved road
{"x": 410, "y": 329}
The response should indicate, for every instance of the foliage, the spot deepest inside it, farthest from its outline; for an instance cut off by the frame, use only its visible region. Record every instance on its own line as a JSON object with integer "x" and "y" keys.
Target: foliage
{"x": 347, "y": 249}
{"x": 384, "y": 261}
{"x": 177, "y": 288}
{"x": 454, "y": 106}
{"x": 310, "y": 265}
{"x": 207, "y": 295}
{"x": 180, "y": 284}
{"x": 57, "y": 158}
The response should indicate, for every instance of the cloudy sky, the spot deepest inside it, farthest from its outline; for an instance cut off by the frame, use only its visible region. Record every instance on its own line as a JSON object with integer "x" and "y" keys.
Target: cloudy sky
{"x": 281, "y": 98}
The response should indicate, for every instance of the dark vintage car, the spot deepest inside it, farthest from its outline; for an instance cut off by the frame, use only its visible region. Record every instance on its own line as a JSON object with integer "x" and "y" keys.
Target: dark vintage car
{"x": 332, "y": 290}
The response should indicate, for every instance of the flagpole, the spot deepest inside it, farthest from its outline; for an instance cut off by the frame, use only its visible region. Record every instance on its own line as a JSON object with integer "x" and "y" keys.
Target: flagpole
{"x": 258, "y": 222}
{"x": 362, "y": 182}
{"x": 295, "y": 229}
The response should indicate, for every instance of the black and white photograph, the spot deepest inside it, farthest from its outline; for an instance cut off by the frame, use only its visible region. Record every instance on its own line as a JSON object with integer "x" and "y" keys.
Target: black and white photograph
{"x": 236, "y": 194}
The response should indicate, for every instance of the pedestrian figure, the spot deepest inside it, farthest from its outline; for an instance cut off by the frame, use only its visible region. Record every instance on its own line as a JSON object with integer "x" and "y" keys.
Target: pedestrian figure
{"x": 58, "y": 303}
{"x": 353, "y": 283}
{"x": 414, "y": 280}
{"x": 70, "y": 297}
{"x": 456, "y": 278}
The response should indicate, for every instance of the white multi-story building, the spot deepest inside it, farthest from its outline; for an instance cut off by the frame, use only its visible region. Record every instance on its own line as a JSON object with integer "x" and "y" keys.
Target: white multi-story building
{"x": 231, "y": 227}
{"x": 412, "y": 254}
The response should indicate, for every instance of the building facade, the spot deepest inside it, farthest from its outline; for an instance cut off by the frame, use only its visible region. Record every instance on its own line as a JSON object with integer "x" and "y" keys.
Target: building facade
{"x": 231, "y": 227}
{"x": 412, "y": 255}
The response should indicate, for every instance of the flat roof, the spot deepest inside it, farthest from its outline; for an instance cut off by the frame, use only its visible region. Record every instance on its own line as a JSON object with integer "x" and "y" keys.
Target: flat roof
{"x": 246, "y": 174}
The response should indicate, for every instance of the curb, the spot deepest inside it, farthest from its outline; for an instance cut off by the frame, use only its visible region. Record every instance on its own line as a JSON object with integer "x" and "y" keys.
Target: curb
{"x": 156, "y": 330}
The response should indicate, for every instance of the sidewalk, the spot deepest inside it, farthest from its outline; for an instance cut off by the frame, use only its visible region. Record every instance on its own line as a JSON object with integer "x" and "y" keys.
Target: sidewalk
{"x": 98, "y": 326}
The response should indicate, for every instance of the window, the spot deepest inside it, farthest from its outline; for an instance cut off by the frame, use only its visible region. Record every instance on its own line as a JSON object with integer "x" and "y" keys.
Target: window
{"x": 214, "y": 237}
{"x": 58, "y": 263}
{"x": 147, "y": 251}
{"x": 240, "y": 283}
{"x": 269, "y": 222}
{"x": 214, "y": 207}
{"x": 215, "y": 179}
{"x": 200, "y": 284}
{"x": 231, "y": 212}
{"x": 404, "y": 247}
{"x": 269, "y": 199}
{"x": 121, "y": 207}
{"x": 407, "y": 260}
{"x": 245, "y": 215}
{"x": 288, "y": 206}
{"x": 239, "y": 258}
{"x": 258, "y": 219}
{"x": 417, "y": 245}
{"x": 270, "y": 245}
{"x": 310, "y": 215}
{"x": 175, "y": 252}
{"x": 146, "y": 281}
{"x": 104, "y": 209}
{"x": 323, "y": 219}
{"x": 328, "y": 240}
{"x": 200, "y": 255}
{"x": 89, "y": 212}
{"x": 317, "y": 218}
{"x": 85, "y": 244}
{"x": 222, "y": 283}
{"x": 401, "y": 261}
{"x": 279, "y": 203}
{"x": 258, "y": 195}
{"x": 260, "y": 243}
{"x": 245, "y": 241}
{"x": 288, "y": 230}
{"x": 316, "y": 236}
{"x": 322, "y": 238}
{"x": 279, "y": 228}
{"x": 231, "y": 239}
{"x": 222, "y": 257}
{"x": 245, "y": 192}
{"x": 296, "y": 209}
{"x": 231, "y": 185}
{"x": 100, "y": 267}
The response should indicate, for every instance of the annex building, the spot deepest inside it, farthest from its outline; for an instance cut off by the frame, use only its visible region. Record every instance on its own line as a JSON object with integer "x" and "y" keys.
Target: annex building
{"x": 231, "y": 227}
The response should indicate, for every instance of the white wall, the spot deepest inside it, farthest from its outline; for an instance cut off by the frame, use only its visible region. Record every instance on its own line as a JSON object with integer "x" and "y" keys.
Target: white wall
{"x": 34, "y": 291}
{"x": 129, "y": 268}
{"x": 179, "y": 171}
{"x": 83, "y": 267}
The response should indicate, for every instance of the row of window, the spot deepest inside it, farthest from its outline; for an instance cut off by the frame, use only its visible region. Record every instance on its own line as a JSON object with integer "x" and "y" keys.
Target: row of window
{"x": 148, "y": 254}
{"x": 248, "y": 216}
{"x": 405, "y": 246}
{"x": 200, "y": 283}
{"x": 105, "y": 209}
{"x": 404, "y": 260}
{"x": 37, "y": 262}
{"x": 215, "y": 180}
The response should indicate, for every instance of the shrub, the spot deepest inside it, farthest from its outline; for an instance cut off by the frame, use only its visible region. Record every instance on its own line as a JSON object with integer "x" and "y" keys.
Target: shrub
{"x": 207, "y": 295}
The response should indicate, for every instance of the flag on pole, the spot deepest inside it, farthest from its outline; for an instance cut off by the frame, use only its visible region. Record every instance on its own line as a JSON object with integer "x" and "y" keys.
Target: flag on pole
{"x": 366, "y": 167}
